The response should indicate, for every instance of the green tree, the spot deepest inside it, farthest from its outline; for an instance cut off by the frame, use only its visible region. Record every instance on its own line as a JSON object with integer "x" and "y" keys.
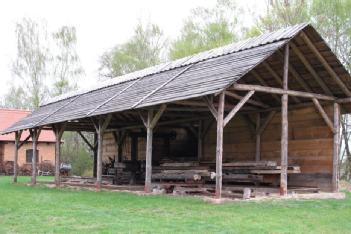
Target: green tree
{"x": 281, "y": 14}
{"x": 66, "y": 63}
{"x": 207, "y": 28}
{"x": 143, "y": 49}
{"x": 32, "y": 60}
{"x": 75, "y": 152}
{"x": 16, "y": 98}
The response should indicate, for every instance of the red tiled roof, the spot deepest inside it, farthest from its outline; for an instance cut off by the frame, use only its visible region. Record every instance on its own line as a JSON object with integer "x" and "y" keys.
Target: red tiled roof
{"x": 11, "y": 116}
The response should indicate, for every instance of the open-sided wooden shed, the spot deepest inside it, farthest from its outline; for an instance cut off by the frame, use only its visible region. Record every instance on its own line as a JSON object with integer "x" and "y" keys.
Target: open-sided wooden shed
{"x": 274, "y": 98}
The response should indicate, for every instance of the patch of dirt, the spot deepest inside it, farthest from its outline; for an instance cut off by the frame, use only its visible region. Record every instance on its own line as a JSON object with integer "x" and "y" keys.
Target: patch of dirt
{"x": 344, "y": 185}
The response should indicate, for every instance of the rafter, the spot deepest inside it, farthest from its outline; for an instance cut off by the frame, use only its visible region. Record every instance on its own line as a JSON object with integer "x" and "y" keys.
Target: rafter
{"x": 277, "y": 78}
{"x": 326, "y": 64}
{"x": 310, "y": 69}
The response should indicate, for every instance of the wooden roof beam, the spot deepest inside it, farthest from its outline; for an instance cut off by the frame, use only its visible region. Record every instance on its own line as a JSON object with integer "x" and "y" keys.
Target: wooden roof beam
{"x": 264, "y": 83}
{"x": 297, "y": 76}
{"x": 277, "y": 78}
{"x": 326, "y": 65}
{"x": 253, "y": 102}
{"x": 310, "y": 69}
{"x": 245, "y": 87}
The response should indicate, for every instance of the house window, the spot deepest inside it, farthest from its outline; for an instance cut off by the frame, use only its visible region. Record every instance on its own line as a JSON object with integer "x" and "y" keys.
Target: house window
{"x": 29, "y": 155}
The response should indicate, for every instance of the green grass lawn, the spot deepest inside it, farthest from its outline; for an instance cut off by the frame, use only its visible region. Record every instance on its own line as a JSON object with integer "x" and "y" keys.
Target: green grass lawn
{"x": 25, "y": 209}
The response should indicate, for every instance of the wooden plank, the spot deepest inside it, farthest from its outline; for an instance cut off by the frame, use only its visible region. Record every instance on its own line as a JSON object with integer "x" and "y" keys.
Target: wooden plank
{"x": 326, "y": 64}
{"x": 258, "y": 88}
{"x": 251, "y": 164}
{"x": 219, "y": 145}
{"x": 336, "y": 147}
{"x": 323, "y": 114}
{"x": 284, "y": 136}
{"x": 232, "y": 113}
{"x": 18, "y": 135}
{"x": 311, "y": 69}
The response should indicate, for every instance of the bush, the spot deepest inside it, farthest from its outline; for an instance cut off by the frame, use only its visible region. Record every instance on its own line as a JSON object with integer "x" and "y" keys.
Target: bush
{"x": 25, "y": 170}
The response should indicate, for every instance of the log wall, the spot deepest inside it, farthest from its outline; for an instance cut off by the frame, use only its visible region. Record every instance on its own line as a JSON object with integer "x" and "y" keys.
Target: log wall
{"x": 310, "y": 145}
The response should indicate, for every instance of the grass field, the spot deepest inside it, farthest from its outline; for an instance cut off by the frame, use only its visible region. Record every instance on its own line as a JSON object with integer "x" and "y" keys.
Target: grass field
{"x": 25, "y": 209}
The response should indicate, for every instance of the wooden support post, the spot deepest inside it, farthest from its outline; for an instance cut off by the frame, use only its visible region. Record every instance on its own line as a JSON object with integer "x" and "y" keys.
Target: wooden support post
{"x": 134, "y": 157}
{"x": 148, "y": 166}
{"x": 35, "y": 135}
{"x": 258, "y": 138}
{"x": 95, "y": 155}
{"x": 199, "y": 141}
{"x": 15, "y": 159}
{"x": 335, "y": 182}
{"x": 219, "y": 146}
{"x": 102, "y": 125}
{"x": 284, "y": 136}
{"x": 99, "y": 158}
{"x": 58, "y": 131}
{"x": 150, "y": 125}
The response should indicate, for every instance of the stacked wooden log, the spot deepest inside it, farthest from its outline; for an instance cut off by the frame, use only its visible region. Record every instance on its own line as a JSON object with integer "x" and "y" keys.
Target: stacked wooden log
{"x": 254, "y": 172}
{"x": 81, "y": 180}
{"x": 187, "y": 172}
{"x": 128, "y": 172}
{"x": 257, "y": 167}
